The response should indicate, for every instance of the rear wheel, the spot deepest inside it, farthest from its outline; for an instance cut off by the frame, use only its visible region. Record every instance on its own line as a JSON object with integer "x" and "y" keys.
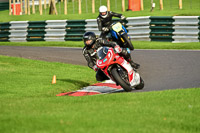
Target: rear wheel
{"x": 121, "y": 81}
{"x": 128, "y": 41}
{"x": 141, "y": 85}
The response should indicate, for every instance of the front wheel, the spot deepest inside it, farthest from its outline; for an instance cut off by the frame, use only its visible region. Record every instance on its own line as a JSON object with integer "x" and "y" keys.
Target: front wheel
{"x": 128, "y": 41}
{"x": 141, "y": 85}
{"x": 119, "y": 80}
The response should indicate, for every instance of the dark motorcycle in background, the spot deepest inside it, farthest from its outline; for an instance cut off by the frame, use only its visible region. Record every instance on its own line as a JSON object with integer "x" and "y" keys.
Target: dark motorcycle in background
{"x": 120, "y": 35}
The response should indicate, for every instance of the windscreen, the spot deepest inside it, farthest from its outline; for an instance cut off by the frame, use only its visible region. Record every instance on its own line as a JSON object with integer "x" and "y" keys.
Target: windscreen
{"x": 102, "y": 52}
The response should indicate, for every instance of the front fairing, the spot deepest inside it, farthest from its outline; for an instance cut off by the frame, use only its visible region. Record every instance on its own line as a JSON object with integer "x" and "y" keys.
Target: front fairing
{"x": 105, "y": 56}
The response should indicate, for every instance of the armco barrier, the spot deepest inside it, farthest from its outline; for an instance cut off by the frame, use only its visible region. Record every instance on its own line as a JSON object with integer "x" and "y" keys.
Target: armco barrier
{"x": 55, "y": 30}
{"x": 92, "y": 26}
{"x": 186, "y": 29}
{"x": 161, "y": 29}
{"x": 18, "y": 31}
{"x": 149, "y": 28}
{"x": 138, "y": 28}
{"x": 199, "y": 28}
{"x": 75, "y": 30}
{"x": 36, "y": 31}
{"x": 4, "y": 32}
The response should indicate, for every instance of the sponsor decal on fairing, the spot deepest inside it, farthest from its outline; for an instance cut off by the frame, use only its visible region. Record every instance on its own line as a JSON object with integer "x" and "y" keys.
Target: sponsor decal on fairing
{"x": 134, "y": 76}
{"x": 136, "y": 79}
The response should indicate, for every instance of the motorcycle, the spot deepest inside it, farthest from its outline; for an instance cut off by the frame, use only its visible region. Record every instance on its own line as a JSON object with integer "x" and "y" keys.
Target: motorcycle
{"x": 119, "y": 34}
{"x": 118, "y": 69}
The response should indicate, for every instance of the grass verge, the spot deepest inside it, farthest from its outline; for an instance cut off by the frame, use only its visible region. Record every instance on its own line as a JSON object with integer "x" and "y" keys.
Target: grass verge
{"x": 137, "y": 44}
{"x": 28, "y": 103}
{"x": 44, "y": 43}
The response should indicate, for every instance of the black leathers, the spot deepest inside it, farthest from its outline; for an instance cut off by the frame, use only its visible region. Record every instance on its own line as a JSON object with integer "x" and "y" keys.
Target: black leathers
{"x": 90, "y": 54}
{"x": 106, "y": 22}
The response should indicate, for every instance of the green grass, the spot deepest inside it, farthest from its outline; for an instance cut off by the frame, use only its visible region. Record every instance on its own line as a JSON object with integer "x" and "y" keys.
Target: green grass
{"x": 166, "y": 45}
{"x": 36, "y": 76}
{"x": 190, "y": 8}
{"x": 28, "y": 103}
{"x": 137, "y": 44}
{"x": 44, "y": 43}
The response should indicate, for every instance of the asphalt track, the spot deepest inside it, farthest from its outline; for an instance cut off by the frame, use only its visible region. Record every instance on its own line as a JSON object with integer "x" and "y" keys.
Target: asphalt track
{"x": 160, "y": 69}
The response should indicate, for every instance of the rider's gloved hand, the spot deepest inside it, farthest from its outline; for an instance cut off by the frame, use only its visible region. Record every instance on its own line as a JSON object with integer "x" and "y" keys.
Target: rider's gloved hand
{"x": 95, "y": 68}
{"x": 123, "y": 17}
{"x": 105, "y": 29}
{"x": 118, "y": 49}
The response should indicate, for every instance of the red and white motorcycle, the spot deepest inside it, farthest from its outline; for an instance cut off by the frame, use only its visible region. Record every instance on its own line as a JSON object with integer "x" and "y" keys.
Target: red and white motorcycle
{"x": 118, "y": 69}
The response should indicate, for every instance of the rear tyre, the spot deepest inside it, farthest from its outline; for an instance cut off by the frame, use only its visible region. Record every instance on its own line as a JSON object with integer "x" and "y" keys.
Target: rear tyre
{"x": 119, "y": 80}
{"x": 141, "y": 85}
{"x": 128, "y": 41}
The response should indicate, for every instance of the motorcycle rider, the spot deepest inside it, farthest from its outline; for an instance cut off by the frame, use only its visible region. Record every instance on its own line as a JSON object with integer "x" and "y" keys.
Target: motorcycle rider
{"x": 89, "y": 52}
{"x": 104, "y": 20}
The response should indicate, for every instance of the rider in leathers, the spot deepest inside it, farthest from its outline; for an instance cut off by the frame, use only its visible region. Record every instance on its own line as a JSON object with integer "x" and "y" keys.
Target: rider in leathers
{"x": 104, "y": 20}
{"x": 89, "y": 52}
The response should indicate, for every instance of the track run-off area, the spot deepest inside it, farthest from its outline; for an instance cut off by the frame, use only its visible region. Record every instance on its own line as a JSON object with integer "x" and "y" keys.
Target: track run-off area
{"x": 160, "y": 69}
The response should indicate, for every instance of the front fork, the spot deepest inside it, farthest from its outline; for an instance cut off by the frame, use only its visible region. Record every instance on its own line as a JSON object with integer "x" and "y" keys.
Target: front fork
{"x": 122, "y": 72}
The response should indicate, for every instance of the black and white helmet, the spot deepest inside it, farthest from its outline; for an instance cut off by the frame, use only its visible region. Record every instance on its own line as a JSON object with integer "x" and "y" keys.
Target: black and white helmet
{"x": 103, "y": 9}
{"x": 89, "y": 36}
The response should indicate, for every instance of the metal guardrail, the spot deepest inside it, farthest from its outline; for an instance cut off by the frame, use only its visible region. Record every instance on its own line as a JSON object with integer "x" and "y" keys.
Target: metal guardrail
{"x": 55, "y": 30}
{"x": 75, "y": 30}
{"x": 161, "y": 29}
{"x": 186, "y": 29}
{"x": 149, "y": 28}
{"x": 18, "y": 31}
{"x": 36, "y": 31}
{"x": 4, "y": 32}
{"x": 138, "y": 28}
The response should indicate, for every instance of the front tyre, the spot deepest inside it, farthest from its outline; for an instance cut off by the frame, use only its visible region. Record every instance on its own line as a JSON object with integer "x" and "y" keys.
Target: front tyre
{"x": 141, "y": 85}
{"x": 128, "y": 41}
{"x": 119, "y": 80}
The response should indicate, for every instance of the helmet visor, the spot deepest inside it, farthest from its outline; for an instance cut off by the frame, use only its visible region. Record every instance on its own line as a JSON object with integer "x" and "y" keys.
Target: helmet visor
{"x": 103, "y": 13}
{"x": 87, "y": 41}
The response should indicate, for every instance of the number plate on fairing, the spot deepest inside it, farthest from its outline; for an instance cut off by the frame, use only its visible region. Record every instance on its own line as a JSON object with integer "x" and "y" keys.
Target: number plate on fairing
{"x": 117, "y": 27}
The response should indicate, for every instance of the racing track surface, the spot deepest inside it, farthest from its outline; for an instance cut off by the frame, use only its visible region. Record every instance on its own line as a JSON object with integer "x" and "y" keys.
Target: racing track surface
{"x": 160, "y": 69}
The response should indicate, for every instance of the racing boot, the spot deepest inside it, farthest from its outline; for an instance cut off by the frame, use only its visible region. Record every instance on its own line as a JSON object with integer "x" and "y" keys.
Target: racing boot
{"x": 127, "y": 56}
{"x": 134, "y": 65}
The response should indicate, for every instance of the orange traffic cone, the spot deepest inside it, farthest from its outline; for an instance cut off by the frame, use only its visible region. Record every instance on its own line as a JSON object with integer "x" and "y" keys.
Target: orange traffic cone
{"x": 54, "y": 79}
